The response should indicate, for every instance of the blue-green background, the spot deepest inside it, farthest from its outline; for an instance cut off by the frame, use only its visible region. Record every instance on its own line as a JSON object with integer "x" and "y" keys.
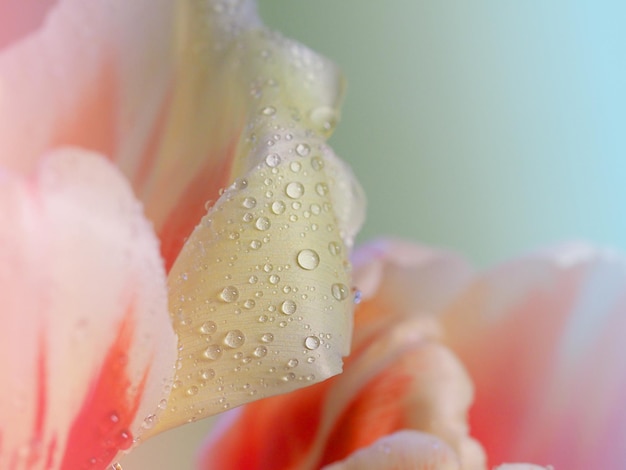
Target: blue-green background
{"x": 489, "y": 127}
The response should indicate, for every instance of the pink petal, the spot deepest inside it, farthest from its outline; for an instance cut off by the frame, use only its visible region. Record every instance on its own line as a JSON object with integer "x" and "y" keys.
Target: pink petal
{"x": 404, "y": 450}
{"x": 542, "y": 338}
{"x": 18, "y": 18}
{"x": 87, "y": 342}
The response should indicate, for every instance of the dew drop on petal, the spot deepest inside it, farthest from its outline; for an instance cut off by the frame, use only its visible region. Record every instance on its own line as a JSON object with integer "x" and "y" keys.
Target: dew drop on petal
{"x": 334, "y": 248}
{"x": 288, "y": 307}
{"x": 267, "y": 338}
{"x": 308, "y": 259}
{"x": 234, "y": 339}
{"x": 294, "y": 190}
{"x": 312, "y": 342}
{"x": 340, "y": 291}
{"x": 303, "y": 150}
{"x": 260, "y": 351}
{"x": 317, "y": 163}
{"x": 229, "y": 294}
{"x": 272, "y": 160}
{"x": 278, "y": 207}
{"x": 249, "y": 203}
{"x": 208, "y": 328}
{"x": 213, "y": 352}
{"x": 262, "y": 223}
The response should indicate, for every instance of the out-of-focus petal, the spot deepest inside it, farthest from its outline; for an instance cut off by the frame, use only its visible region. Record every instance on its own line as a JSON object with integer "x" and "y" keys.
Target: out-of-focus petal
{"x": 399, "y": 377}
{"x": 522, "y": 466}
{"x": 261, "y": 291}
{"x": 542, "y": 338}
{"x": 20, "y": 18}
{"x": 92, "y": 74}
{"x": 404, "y": 450}
{"x": 88, "y": 345}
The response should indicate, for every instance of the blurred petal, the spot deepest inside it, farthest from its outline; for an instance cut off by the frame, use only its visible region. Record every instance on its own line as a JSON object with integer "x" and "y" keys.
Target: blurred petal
{"x": 404, "y": 450}
{"x": 522, "y": 466}
{"x": 94, "y": 75}
{"x": 18, "y": 18}
{"x": 330, "y": 421}
{"x": 88, "y": 344}
{"x": 260, "y": 293}
{"x": 542, "y": 338}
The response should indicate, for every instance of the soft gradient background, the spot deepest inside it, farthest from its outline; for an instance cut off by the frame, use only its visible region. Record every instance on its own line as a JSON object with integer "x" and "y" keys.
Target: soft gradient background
{"x": 488, "y": 127}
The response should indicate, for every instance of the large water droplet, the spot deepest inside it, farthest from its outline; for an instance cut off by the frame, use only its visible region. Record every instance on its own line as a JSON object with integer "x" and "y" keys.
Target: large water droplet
{"x": 288, "y": 307}
{"x": 229, "y": 294}
{"x": 308, "y": 259}
{"x": 234, "y": 339}
{"x": 340, "y": 291}
{"x": 262, "y": 223}
{"x": 294, "y": 190}
{"x": 312, "y": 342}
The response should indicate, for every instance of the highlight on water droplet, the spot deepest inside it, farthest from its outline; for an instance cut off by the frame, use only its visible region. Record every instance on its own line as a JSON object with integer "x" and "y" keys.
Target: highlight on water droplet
{"x": 308, "y": 259}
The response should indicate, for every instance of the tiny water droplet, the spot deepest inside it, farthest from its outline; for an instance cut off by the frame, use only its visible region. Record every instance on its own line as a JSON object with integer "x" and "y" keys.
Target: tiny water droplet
{"x": 249, "y": 203}
{"x": 321, "y": 189}
{"x": 272, "y": 160}
{"x": 312, "y": 342}
{"x": 317, "y": 163}
{"x": 191, "y": 391}
{"x": 303, "y": 150}
{"x": 208, "y": 328}
{"x": 268, "y": 111}
{"x": 250, "y": 303}
{"x": 260, "y": 351}
{"x": 234, "y": 339}
{"x": 278, "y": 207}
{"x": 334, "y": 248}
{"x": 229, "y": 294}
{"x": 262, "y": 223}
{"x": 308, "y": 259}
{"x": 294, "y": 190}
{"x": 292, "y": 363}
{"x": 267, "y": 338}
{"x": 213, "y": 352}
{"x": 288, "y": 307}
{"x": 255, "y": 244}
{"x": 339, "y": 291}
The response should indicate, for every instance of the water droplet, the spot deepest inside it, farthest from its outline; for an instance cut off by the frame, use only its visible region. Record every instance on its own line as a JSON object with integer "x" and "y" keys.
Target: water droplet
{"x": 295, "y": 167}
{"x": 247, "y": 217}
{"x": 213, "y": 352}
{"x": 260, "y": 351}
{"x": 292, "y": 363}
{"x": 288, "y": 307}
{"x": 253, "y": 279}
{"x": 316, "y": 209}
{"x": 294, "y": 190}
{"x": 272, "y": 160}
{"x": 274, "y": 279}
{"x": 334, "y": 248}
{"x": 308, "y": 259}
{"x": 268, "y": 111}
{"x": 255, "y": 244}
{"x": 278, "y": 207}
{"x": 207, "y": 374}
{"x": 249, "y": 304}
{"x": 312, "y": 342}
{"x": 321, "y": 189}
{"x": 229, "y": 294}
{"x": 234, "y": 339}
{"x": 303, "y": 150}
{"x": 240, "y": 183}
{"x": 262, "y": 223}
{"x": 339, "y": 291}
{"x": 193, "y": 390}
{"x": 317, "y": 163}
{"x": 267, "y": 338}
{"x": 358, "y": 295}
{"x": 310, "y": 359}
{"x": 208, "y": 328}
{"x": 268, "y": 268}
{"x": 249, "y": 203}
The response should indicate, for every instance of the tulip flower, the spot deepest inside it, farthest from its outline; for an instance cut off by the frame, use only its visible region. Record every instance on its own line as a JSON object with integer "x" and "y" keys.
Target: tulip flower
{"x": 174, "y": 231}
{"x": 451, "y": 369}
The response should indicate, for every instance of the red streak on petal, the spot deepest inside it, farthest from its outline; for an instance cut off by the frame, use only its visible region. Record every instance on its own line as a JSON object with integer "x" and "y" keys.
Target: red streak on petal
{"x": 40, "y": 412}
{"x": 101, "y": 427}
{"x": 191, "y": 205}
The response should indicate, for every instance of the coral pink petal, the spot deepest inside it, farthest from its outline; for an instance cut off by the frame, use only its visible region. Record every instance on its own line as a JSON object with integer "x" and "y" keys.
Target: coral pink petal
{"x": 88, "y": 344}
{"x": 542, "y": 338}
{"x": 404, "y": 450}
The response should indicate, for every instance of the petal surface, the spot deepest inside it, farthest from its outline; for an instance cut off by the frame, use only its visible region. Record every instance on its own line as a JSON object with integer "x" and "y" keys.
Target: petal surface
{"x": 88, "y": 346}
{"x": 542, "y": 339}
{"x": 261, "y": 293}
{"x": 398, "y": 377}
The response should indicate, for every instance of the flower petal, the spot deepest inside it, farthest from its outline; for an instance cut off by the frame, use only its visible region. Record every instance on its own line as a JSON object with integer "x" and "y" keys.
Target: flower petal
{"x": 328, "y": 422}
{"x": 87, "y": 340}
{"x": 403, "y": 450}
{"x": 542, "y": 338}
{"x": 260, "y": 293}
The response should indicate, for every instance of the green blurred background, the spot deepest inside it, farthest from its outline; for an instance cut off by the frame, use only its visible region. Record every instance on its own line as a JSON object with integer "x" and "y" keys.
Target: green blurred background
{"x": 489, "y": 127}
